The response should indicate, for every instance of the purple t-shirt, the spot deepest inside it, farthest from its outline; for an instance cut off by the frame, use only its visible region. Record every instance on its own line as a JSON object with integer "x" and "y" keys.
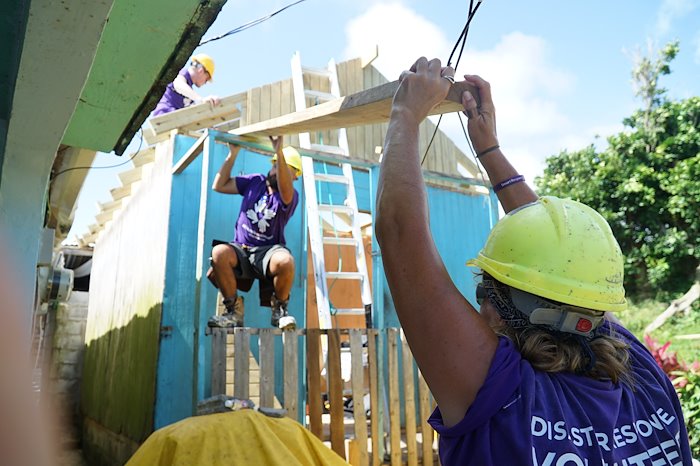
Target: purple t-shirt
{"x": 263, "y": 216}
{"x": 173, "y": 100}
{"x": 526, "y": 417}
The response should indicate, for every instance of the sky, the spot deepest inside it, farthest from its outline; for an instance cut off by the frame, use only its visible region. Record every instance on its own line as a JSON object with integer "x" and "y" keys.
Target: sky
{"x": 560, "y": 72}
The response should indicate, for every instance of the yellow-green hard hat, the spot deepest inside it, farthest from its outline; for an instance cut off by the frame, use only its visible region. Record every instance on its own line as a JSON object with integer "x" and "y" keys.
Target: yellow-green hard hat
{"x": 558, "y": 249}
{"x": 292, "y": 157}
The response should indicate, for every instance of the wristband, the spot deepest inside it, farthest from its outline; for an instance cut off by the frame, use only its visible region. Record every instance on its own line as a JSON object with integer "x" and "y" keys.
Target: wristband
{"x": 487, "y": 150}
{"x": 504, "y": 184}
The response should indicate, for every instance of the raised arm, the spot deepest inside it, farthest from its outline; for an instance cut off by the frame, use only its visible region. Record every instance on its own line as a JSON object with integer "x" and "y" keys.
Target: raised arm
{"x": 452, "y": 344}
{"x": 482, "y": 132}
{"x": 223, "y": 183}
{"x": 284, "y": 176}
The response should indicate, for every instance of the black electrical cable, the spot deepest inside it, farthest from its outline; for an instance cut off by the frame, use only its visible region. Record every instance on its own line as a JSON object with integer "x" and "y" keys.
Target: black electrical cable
{"x": 108, "y": 166}
{"x": 463, "y": 39}
{"x": 250, "y": 24}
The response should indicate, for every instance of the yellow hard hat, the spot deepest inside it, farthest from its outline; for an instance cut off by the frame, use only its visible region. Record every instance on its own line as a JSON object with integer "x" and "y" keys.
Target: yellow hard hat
{"x": 206, "y": 61}
{"x": 292, "y": 157}
{"x": 557, "y": 249}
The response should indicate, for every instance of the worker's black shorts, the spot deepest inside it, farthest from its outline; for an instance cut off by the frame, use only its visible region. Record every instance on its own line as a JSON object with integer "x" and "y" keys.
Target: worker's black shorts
{"x": 253, "y": 264}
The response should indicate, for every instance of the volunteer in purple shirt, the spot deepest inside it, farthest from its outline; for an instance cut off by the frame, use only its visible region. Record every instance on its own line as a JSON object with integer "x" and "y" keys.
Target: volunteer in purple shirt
{"x": 180, "y": 93}
{"x": 258, "y": 250}
{"x": 542, "y": 374}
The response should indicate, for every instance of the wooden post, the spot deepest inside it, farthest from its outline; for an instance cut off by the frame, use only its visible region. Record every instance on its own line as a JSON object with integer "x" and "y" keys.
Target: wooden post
{"x": 409, "y": 402}
{"x": 313, "y": 357}
{"x": 425, "y": 429}
{"x": 218, "y": 361}
{"x": 291, "y": 373}
{"x": 267, "y": 368}
{"x": 394, "y": 401}
{"x": 358, "y": 396}
{"x": 335, "y": 393}
{"x": 241, "y": 362}
{"x": 374, "y": 400}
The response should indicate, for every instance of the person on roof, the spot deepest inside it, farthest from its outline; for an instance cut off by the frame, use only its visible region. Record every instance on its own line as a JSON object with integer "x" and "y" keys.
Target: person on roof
{"x": 543, "y": 374}
{"x": 258, "y": 249}
{"x": 180, "y": 93}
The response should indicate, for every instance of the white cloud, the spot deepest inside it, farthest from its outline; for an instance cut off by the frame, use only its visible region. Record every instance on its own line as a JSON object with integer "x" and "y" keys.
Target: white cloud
{"x": 527, "y": 85}
{"x": 401, "y": 41}
{"x": 670, "y": 10}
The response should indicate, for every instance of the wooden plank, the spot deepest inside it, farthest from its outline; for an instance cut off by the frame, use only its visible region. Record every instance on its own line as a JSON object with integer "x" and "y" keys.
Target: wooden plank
{"x": 335, "y": 393}
{"x": 254, "y": 105}
{"x": 425, "y": 429}
{"x": 358, "y": 395}
{"x": 365, "y": 107}
{"x": 190, "y": 155}
{"x": 227, "y": 109}
{"x": 313, "y": 358}
{"x": 409, "y": 402}
{"x": 291, "y": 373}
{"x": 394, "y": 400}
{"x": 144, "y": 156}
{"x": 267, "y": 368}
{"x": 374, "y": 399}
{"x": 218, "y": 361}
{"x": 265, "y": 96}
{"x": 241, "y": 363}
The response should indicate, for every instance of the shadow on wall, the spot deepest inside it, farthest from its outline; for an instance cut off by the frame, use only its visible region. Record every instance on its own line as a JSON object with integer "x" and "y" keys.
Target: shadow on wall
{"x": 118, "y": 388}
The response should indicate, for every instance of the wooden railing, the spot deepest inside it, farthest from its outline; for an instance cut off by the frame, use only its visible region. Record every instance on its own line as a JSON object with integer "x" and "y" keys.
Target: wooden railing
{"x": 381, "y": 366}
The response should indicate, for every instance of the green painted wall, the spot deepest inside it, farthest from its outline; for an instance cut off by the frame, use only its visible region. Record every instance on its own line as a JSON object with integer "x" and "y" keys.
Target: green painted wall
{"x": 13, "y": 23}
{"x": 128, "y": 58}
{"x": 124, "y": 321}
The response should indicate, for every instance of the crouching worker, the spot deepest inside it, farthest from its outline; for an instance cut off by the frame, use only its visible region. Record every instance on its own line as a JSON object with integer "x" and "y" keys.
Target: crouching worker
{"x": 258, "y": 250}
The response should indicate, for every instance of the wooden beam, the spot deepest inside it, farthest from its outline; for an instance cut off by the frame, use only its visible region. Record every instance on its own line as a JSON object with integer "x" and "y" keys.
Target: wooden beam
{"x": 363, "y": 108}
{"x": 190, "y": 155}
{"x": 196, "y": 114}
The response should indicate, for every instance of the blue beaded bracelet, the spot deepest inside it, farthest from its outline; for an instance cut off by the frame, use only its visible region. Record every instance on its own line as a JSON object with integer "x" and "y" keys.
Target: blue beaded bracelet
{"x": 508, "y": 182}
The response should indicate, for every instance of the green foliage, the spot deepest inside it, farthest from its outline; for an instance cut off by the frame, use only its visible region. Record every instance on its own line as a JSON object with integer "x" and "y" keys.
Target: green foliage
{"x": 688, "y": 387}
{"x": 640, "y": 314}
{"x": 651, "y": 198}
{"x": 644, "y": 184}
{"x": 648, "y": 70}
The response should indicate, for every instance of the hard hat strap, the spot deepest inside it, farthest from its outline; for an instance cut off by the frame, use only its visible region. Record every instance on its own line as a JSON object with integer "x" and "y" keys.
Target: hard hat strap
{"x": 520, "y": 309}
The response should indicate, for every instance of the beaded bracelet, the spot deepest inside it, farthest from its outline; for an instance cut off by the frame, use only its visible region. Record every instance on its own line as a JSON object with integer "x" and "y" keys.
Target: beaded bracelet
{"x": 487, "y": 150}
{"x": 504, "y": 184}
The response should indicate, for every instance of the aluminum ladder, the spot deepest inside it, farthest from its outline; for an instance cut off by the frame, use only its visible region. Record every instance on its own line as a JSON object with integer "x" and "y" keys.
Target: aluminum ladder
{"x": 313, "y": 208}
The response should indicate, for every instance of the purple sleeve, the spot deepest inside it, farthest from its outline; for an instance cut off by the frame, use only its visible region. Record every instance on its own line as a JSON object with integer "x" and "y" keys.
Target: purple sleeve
{"x": 243, "y": 181}
{"x": 503, "y": 379}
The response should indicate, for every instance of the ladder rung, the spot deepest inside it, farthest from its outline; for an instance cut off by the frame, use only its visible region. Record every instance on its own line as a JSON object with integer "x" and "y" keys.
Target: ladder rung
{"x": 342, "y": 209}
{"x": 320, "y": 95}
{"x": 317, "y": 71}
{"x": 360, "y": 311}
{"x": 329, "y": 149}
{"x": 344, "y": 276}
{"x": 331, "y": 178}
{"x": 339, "y": 241}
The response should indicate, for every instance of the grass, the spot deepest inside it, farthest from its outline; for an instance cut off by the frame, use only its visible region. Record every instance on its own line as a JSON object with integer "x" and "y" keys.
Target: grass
{"x": 641, "y": 314}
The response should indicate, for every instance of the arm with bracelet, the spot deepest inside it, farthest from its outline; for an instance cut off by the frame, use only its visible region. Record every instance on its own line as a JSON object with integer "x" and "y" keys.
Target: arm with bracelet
{"x": 508, "y": 184}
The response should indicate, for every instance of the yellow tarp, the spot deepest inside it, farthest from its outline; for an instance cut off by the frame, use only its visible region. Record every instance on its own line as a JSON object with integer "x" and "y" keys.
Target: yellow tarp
{"x": 237, "y": 438}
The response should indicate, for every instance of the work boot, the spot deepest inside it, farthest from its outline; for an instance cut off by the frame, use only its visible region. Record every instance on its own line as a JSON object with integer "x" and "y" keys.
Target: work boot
{"x": 233, "y": 317}
{"x": 280, "y": 315}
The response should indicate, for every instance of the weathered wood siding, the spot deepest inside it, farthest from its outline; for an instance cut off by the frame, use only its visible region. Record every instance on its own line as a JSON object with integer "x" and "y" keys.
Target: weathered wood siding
{"x": 122, "y": 331}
